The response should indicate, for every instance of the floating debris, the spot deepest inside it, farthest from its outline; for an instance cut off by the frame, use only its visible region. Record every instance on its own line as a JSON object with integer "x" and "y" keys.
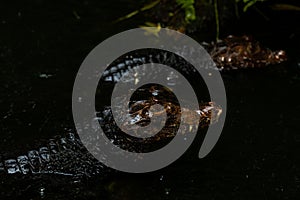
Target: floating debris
{"x": 45, "y": 75}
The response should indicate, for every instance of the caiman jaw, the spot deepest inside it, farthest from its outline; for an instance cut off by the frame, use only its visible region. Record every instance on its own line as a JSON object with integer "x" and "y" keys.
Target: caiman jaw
{"x": 280, "y": 56}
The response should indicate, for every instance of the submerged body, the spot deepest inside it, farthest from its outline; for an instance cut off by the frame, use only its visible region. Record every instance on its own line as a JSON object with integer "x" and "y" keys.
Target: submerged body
{"x": 68, "y": 156}
{"x": 242, "y": 53}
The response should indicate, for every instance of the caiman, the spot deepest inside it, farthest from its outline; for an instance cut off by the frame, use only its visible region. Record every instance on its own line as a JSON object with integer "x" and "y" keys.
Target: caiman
{"x": 243, "y": 53}
{"x": 67, "y": 155}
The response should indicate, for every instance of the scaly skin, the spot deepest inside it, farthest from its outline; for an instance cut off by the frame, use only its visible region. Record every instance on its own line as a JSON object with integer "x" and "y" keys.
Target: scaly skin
{"x": 67, "y": 155}
{"x": 243, "y": 53}
{"x": 62, "y": 155}
{"x": 231, "y": 53}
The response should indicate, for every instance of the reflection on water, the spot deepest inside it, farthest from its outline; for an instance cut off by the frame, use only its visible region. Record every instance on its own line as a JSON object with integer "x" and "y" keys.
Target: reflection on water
{"x": 256, "y": 157}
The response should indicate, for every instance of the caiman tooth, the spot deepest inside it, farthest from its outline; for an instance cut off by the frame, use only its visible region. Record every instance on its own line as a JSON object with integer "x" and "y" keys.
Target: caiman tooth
{"x": 24, "y": 164}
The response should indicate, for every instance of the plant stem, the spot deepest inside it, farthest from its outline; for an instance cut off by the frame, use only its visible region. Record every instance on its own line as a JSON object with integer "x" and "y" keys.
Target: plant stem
{"x": 236, "y": 9}
{"x": 261, "y": 13}
{"x": 217, "y": 19}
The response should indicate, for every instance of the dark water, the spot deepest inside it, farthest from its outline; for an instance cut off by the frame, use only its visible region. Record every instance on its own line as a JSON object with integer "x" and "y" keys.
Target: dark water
{"x": 42, "y": 45}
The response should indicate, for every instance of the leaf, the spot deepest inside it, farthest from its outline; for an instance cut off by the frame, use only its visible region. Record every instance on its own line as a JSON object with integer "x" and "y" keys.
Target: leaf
{"x": 146, "y": 7}
{"x": 190, "y": 14}
{"x": 151, "y": 28}
{"x": 189, "y": 9}
{"x": 249, "y": 3}
{"x": 285, "y": 7}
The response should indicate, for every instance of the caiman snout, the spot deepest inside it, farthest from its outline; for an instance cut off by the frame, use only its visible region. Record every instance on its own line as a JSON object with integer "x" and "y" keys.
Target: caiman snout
{"x": 280, "y": 56}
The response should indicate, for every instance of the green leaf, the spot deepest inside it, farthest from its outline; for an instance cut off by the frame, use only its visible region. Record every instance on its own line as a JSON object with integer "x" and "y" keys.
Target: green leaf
{"x": 189, "y": 9}
{"x": 146, "y": 7}
{"x": 190, "y": 14}
{"x": 249, "y": 3}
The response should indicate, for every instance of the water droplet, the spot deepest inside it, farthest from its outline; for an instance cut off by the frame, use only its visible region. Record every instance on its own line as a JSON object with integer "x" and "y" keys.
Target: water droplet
{"x": 167, "y": 191}
{"x": 161, "y": 177}
{"x": 42, "y": 192}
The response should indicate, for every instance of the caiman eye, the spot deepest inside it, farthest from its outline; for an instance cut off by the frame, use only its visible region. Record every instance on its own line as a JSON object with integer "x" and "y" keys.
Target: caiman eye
{"x": 280, "y": 55}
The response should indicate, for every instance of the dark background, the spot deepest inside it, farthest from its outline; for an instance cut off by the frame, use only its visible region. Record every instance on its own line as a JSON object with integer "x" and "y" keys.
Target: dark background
{"x": 42, "y": 44}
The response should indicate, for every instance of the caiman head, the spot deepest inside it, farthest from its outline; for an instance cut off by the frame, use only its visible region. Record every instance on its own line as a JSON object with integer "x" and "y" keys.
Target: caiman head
{"x": 278, "y": 56}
